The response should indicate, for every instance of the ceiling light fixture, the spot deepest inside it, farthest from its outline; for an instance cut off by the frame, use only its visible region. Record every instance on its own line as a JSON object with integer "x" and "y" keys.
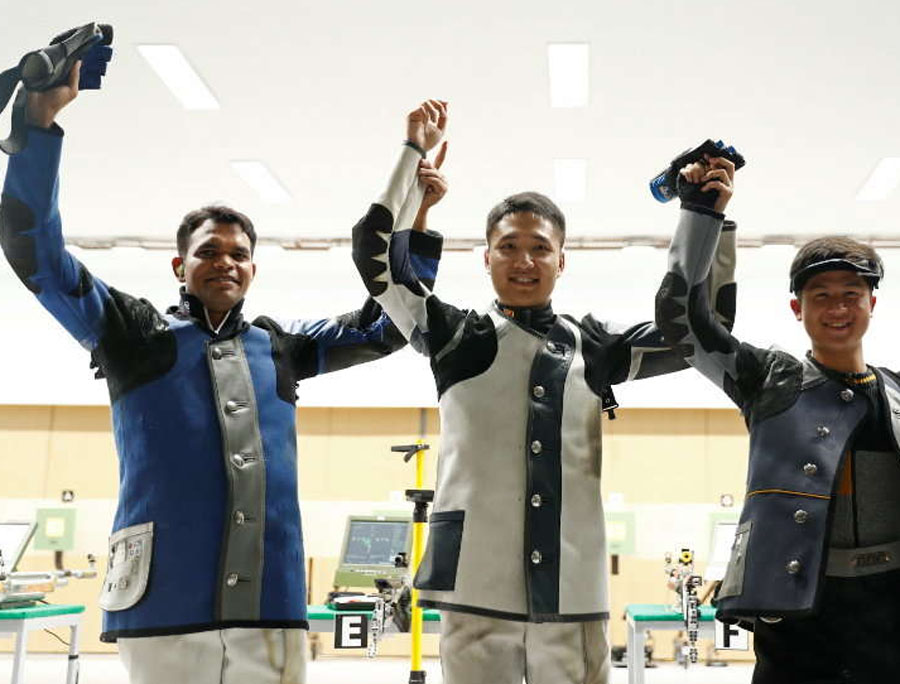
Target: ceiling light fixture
{"x": 882, "y": 182}
{"x": 569, "y": 74}
{"x": 172, "y": 67}
{"x": 257, "y": 175}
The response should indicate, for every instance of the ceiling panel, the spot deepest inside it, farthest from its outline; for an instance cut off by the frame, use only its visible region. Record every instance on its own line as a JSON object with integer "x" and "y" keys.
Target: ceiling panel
{"x": 318, "y": 91}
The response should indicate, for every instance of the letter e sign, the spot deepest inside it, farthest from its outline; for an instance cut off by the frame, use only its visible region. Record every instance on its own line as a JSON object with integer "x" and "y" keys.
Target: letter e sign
{"x": 351, "y": 630}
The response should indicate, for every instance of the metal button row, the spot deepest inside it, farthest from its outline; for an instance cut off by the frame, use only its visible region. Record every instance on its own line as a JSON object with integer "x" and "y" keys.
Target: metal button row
{"x": 216, "y": 353}
{"x": 847, "y": 394}
{"x": 538, "y": 391}
{"x": 810, "y": 469}
{"x": 536, "y": 501}
{"x": 800, "y": 516}
{"x": 823, "y": 431}
{"x": 793, "y": 567}
{"x": 536, "y": 447}
{"x": 536, "y": 557}
{"x": 232, "y": 579}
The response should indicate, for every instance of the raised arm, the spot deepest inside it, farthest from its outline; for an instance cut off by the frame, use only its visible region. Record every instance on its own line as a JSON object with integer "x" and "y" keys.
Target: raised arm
{"x": 384, "y": 246}
{"x": 368, "y": 333}
{"x": 31, "y": 227}
{"x": 641, "y": 351}
{"x": 685, "y": 311}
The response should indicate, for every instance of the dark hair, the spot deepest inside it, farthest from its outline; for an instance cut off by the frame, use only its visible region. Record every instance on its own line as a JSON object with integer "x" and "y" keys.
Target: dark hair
{"x": 531, "y": 202}
{"x": 835, "y": 253}
{"x": 217, "y": 213}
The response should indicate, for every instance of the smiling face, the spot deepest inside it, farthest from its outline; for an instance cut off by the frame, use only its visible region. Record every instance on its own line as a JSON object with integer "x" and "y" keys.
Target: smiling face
{"x": 524, "y": 257}
{"x": 835, "y": 308}
{"x": 217, "y": 267}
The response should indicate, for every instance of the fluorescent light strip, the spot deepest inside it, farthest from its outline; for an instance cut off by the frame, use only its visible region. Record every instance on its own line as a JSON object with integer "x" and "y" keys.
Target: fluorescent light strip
{"x": 882, "y": 182}
{"x": 172, "y": 67}
{"x": 257, "y": 175}
{"x": 570, "y": 177}
{"x": 569, "y": 74}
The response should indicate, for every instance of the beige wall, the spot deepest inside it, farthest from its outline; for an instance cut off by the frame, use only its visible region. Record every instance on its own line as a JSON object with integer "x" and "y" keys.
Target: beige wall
{"x": 685, "y": 458}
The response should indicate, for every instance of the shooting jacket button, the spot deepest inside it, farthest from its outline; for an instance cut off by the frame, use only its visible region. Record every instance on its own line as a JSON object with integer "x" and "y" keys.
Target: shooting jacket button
{"x": 538, "y": 391}
{"x": 847, "y": 394}
{"x": 231, "y": 406}
{"x": 896, "y": 411}
{"x": 232, "y": 579}
{"x": 800, "y": 516}
{"x": 823, "y": 431}
{"x": 536, "y": 501}
{"x": 793, "y": 567}
{"x": 216, "y": 353}
{"x": 237, "y": 460}
{"x": 239, "y": 518}
{"x": 536, "y": 557}
{"x": 536, "y": 447}
{"x": 810, "y": 469}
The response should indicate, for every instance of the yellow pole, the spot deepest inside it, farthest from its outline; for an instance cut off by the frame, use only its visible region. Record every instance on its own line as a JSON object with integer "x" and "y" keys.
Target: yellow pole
{"x": 417, "y": 550}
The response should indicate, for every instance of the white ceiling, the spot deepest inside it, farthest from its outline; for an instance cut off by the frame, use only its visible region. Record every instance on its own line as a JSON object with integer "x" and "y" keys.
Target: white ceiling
{"x": 807, "y": 90}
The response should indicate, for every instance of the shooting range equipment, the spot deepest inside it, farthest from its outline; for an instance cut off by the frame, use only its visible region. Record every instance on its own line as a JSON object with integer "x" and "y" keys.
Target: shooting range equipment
{"x": 684, "y": 582}
{"x": 22, "y": 589}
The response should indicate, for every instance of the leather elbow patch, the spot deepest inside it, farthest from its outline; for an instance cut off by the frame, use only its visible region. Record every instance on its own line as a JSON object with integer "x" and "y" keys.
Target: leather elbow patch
{"x": 16, "y": 219}
{"x": 85, "y": 283}
{"x": 370, "y": 241}
{"x": 712, "y": 337}
{"x": 668, "y": 308}
{"x": 726, "y": 304}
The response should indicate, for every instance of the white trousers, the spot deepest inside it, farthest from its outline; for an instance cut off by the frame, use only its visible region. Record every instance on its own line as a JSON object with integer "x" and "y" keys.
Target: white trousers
{"x": 483, "y": 650}
{"x": 226, "y": 656}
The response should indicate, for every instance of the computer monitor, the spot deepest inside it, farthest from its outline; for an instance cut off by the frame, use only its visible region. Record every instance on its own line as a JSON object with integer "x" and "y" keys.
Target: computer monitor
{"x": 371, "y": 543}
{"x": 14, "y": 538}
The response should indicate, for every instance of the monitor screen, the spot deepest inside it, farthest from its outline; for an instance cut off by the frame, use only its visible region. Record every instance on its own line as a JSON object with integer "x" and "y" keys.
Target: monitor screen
{"x": 14, "y": 537}
{"x": 375, "y": 542}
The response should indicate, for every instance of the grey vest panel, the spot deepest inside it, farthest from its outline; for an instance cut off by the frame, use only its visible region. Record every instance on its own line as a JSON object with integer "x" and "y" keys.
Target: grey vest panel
{"x": 241, "y": 568}
{"x": 518, "y": 525}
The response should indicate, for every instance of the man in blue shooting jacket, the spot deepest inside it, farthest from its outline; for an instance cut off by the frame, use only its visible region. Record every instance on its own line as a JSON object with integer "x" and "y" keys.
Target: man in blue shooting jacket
{"x": 206, "y": 580}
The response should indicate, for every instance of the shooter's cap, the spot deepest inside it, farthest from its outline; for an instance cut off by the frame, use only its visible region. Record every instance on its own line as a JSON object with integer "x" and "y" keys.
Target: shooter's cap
{"x": 870, "y": 269}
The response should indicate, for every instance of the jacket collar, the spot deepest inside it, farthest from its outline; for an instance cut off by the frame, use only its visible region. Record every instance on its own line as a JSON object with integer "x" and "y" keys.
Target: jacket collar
{"x": 538, "y": 318}
{"x": 814, "y": 373}
{"x": 190, "y": 307}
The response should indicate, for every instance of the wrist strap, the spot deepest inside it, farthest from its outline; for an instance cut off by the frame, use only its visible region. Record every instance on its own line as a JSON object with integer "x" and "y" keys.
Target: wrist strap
{"x": 417, "y": 148}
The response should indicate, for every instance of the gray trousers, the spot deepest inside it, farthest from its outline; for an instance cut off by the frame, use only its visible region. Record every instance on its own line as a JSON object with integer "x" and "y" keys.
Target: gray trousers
{"x": 483, "y": 650}
{"x": 225, "y": 656}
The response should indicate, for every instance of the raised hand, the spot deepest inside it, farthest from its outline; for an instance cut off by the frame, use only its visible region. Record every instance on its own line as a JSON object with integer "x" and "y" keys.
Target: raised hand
{"x": 425, "y": 125}
{"x": 43, "y": 107}
{"x": 715, "y": 174}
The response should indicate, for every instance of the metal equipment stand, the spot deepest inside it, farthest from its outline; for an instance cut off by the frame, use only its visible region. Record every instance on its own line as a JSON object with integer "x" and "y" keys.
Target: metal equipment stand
{"x": 421, "y": 498}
